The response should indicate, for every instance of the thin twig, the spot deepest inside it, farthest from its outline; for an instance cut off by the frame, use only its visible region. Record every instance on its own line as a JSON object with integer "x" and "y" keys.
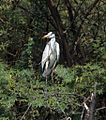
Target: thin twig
{"x": 25, "y": 112}
{"x": 69, "y": 118}
{"x": 86, "y": 107}
{"x": 100, "y": 108}
{"x": 82, "y": 114}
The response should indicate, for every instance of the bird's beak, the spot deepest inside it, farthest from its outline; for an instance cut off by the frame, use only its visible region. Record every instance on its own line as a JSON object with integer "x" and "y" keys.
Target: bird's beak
{"x": 45, "y": 36}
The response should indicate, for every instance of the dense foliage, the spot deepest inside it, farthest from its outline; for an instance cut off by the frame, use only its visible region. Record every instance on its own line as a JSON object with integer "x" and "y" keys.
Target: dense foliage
{"x": 80, "y": 74}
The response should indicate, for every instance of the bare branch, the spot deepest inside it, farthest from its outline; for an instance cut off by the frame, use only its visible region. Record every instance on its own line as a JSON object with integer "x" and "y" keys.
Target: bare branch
{"x": 98, "y": 109}
{"x": 78, "y": 9}
{"x": 82, "y": 114}
{"x": 25, "y": 112}
{"x": 69, "y": 8}
{"x": 55, "y": 15}
{"x": 86, "y": 107}
{"x": 91, "y": 7}
{"x": 58, "y": 3}
{"x": 93, "y": 102}
{"x": 2, "y": 20}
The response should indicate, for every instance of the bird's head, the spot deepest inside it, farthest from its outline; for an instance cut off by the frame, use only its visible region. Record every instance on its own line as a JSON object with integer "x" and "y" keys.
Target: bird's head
{"x": 49, "y": 35}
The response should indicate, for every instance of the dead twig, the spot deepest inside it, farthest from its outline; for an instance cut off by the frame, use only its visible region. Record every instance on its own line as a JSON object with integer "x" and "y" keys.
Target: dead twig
{"x": 25, "y": 112}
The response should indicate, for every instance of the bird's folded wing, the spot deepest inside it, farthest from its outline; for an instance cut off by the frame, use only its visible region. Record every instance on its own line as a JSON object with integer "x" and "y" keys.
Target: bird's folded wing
{"x": 58, "y": 51}
{"x": 45, "y": 56}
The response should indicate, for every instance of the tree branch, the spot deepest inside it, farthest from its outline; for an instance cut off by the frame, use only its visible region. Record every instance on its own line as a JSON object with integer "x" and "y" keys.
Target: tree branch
{"x": 69, "y": 8}
{"x": 71, "y": 16}
{"x": 93, "y": 102}
{"x": 77, "y": 39}
{"x": 25, "y": 112}
{"x": 85, "y": 16}
{"x": 60, "y": 29}
{"x": 100, "y": 108}
{"x": 55, "y": 15}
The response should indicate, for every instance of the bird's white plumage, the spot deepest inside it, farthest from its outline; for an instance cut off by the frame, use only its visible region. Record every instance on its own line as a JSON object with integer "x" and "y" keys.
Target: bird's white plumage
{"x": 58, "y": 51}
{"x": 50, "y": 55}
{"x": 45, "y": 55}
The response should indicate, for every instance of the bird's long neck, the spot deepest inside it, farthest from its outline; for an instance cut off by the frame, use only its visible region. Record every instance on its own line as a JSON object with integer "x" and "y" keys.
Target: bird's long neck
{"x": 52, "y": 42}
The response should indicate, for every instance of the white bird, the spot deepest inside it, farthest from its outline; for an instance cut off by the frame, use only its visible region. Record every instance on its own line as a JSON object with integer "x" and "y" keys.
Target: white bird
{"x": 50, "y": 55}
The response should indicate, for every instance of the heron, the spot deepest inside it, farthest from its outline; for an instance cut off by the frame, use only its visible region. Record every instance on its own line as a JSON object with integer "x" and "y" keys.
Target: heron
{"x": 50, "y": 55}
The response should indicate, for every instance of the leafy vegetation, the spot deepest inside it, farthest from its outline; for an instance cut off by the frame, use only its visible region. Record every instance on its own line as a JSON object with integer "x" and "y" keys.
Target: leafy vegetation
{"x": 79, "y": 83}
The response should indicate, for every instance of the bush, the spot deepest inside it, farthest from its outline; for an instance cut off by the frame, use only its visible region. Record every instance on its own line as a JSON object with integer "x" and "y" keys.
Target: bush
{"x": 21, "y": 88}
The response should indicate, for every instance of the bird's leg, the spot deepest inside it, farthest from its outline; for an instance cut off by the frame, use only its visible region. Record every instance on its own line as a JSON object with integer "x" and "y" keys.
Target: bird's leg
{"x": 46, "y": 93}
{"x": 46, "y": 80}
